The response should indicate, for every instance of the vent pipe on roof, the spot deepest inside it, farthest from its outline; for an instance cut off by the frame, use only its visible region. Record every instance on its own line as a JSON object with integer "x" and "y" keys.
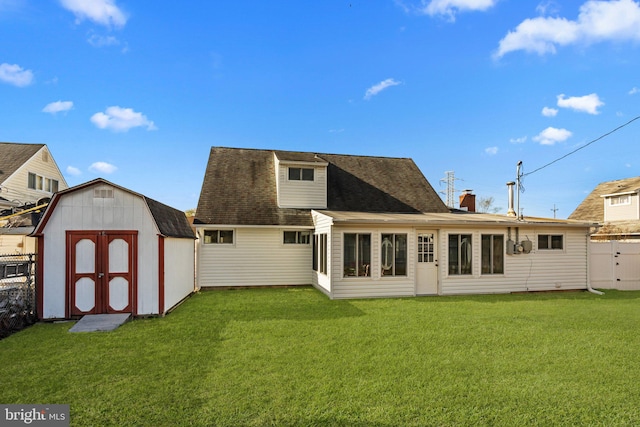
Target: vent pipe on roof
{"x": 511, "y": 211}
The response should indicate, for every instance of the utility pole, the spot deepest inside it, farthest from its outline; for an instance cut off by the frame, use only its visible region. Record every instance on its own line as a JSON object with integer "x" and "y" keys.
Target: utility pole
{"x": 554, "y": 211}
{"x": 450, "y": 180}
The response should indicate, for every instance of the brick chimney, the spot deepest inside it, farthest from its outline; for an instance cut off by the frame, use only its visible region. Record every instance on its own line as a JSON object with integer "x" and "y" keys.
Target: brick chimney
{"x": 468, "y": 201}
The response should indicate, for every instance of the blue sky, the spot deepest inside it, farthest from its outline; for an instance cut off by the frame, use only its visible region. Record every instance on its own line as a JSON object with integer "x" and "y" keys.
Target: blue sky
{"x": 138, "y": 92}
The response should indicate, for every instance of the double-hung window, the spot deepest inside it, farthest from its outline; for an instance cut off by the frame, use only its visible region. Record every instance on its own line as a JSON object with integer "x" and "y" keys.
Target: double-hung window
{"x": 460, "y": 252}
{"x": 357, "y": 254}
{"x": 393, "y": 254}
{"x": 218, "y": 237}
{"x": 551, "y": 241}
{"x": 492, "y": 254}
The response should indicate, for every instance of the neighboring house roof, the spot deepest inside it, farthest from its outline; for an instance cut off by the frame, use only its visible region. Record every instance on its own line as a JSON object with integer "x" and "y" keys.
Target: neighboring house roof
{"x": 239, "y": 187}
{"x": 592, "y": 207}
{"x": 13, "y": 155}
{"x": 171, "y": 222}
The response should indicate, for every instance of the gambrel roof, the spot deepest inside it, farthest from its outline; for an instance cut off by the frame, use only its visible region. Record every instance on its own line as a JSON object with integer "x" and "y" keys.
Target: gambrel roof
{"x": 239, "y": 187}
{"x": 171, "y": 222}
{"x": 13, "y": 155}
{"x": 592, "y": 207}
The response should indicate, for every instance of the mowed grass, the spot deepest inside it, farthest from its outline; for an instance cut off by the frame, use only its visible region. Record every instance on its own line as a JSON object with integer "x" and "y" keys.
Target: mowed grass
{"x": 291, "y": 357}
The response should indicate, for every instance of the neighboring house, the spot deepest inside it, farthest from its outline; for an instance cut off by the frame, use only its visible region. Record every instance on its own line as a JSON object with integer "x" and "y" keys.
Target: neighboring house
{"x": 615, "y": 206}
{"x": 615, "y": 243}
{"x": 28, "y": 178}
{"x": 363, "y": 226}
{"x": 106, "y": 249}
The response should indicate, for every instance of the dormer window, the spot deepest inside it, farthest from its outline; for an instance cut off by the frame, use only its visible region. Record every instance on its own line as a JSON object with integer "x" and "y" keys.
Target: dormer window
{"x": 300, "y": 174}
{"x": 623, "y": 199}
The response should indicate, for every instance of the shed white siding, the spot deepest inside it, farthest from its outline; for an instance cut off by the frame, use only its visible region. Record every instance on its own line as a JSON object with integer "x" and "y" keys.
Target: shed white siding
{"x": 42, "y": 164}
{"x": 539, "y": 270}
{"x": 621, "y": 212}
{"x": 179, "y": 264}
{"x": 257, "y": 257}
{"x": 79, "y": 210}
{"x": 302, "y": 194}
{"x": 376, "y": 285}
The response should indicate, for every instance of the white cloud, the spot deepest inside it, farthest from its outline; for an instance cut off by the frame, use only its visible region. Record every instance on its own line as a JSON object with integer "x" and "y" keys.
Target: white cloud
{"x": 103, "y": 12}
{"x": 100, "y": 41}
{"x": 377, "y": 88}
{"x": 597, "y": 21}
{"x": 71, "y": 170}
{"x": 634, "y": 91}
{"x": 549, "y": 112}
{"x": 57, "y": 107}
{"x": 551, "y": 135}
{"x": 586, "y": 104}
{"x": 102, "y": 167}
{"x": 15, "y": 75}
{"x": 120, "y": 119}
{"x": 491, "y": 150}
{"x": 449, "y": 8}
{"x": 520, "y": 140}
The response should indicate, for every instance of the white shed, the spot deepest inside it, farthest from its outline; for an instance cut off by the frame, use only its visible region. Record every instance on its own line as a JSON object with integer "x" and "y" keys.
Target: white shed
{"x": 105, "y": 249}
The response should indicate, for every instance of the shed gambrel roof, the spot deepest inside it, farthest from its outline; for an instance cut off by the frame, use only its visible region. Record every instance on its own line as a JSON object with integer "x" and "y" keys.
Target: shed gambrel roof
{"x": 592, "y": 207}
{"x": 14, "y": 155}
{"x": 171, "y": 222}
{"x": 239, "y": 187}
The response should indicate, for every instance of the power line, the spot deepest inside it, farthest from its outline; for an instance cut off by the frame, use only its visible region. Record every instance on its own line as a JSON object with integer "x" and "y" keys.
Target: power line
{"x": 584, "y": 146}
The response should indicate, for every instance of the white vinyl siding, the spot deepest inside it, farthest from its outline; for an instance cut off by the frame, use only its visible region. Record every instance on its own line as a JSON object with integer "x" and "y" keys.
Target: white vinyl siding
{"x": 323, "y": 225}
{"x": 300, "y": 193}
{"x": 11, "y": 244}
{"x": 621, "y": 212}
{"x": 539, "y": 270}
{"x": 257, "y": 258}
{"x": 376, "y": 285}
{"x": 16, "y": 187}
{"x": 79, "y": 210}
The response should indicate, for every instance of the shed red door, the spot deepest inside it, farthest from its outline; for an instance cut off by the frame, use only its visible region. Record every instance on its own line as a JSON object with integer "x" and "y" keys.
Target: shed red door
{"x": 101, "y": 272}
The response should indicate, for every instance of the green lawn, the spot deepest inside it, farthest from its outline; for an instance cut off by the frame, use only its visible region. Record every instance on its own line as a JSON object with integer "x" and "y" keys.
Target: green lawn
{"x": 289, "y": 357}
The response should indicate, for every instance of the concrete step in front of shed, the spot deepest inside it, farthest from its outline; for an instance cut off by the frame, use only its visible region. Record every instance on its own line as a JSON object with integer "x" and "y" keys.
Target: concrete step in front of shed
{"x": 100, "y": 322}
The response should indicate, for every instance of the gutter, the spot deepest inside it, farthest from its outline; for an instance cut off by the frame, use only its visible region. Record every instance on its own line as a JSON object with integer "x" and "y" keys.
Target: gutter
{"x": 589, "y": 288}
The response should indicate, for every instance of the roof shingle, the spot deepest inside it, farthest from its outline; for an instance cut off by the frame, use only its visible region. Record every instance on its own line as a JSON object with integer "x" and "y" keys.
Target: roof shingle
{"x": 239, "y": 187}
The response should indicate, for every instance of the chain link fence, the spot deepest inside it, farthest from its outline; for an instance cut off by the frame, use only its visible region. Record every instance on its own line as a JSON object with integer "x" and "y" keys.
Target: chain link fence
{"x": 17, "y": 293}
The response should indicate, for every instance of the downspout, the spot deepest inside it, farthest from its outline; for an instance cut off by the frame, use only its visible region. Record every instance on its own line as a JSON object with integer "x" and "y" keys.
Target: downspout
{"x": 589, "y": 288}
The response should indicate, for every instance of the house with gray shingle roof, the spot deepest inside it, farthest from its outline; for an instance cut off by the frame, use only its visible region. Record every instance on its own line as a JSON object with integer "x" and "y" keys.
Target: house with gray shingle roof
{"x": 367, "y": 226}
{"x": 28, "y": 177}
{"x": 615, "y": 206}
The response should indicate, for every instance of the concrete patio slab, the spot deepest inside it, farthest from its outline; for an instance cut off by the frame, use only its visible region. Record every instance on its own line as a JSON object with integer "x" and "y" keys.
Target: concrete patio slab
{"x": 99, "y": 322}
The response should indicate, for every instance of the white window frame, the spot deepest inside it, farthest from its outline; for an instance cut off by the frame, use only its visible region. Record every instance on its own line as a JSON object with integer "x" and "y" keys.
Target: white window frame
{"x": 620, "y": 200}
{"x": 218, "y": 231}
{"x": 550, "y": 237}
{"x": 302, "y": 237}
{"x": 301, "y": 174}
{"x": 42, "y": 183}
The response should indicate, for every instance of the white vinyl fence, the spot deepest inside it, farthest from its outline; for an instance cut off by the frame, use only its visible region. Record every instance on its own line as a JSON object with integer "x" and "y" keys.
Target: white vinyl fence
{"x": 615, "y": 265}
